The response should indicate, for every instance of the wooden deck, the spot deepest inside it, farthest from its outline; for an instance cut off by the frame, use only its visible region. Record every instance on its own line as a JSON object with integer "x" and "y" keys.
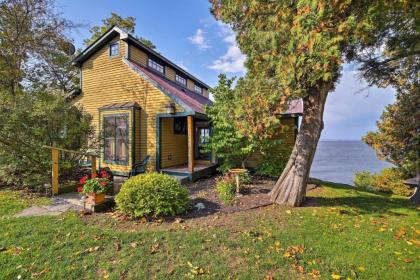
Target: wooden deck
{"x": 200, "y": 170}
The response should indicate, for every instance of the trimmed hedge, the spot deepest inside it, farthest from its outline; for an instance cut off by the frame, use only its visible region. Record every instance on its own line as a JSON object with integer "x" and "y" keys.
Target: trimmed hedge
{"x": 152, "y": 194}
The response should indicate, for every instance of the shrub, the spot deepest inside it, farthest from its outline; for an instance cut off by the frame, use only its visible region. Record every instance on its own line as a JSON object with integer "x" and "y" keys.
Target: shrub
{"x": 226, "y": 189}
{"x": 152, "y": 194}
{"x": 363, "y": 179}
{"x": 245, "y": 178}
{"x": 389, "y": 180}
{"x": 273, "y": 163}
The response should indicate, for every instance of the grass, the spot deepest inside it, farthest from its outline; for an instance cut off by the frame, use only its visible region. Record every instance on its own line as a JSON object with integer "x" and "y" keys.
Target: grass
{"x": 344, "y": 233}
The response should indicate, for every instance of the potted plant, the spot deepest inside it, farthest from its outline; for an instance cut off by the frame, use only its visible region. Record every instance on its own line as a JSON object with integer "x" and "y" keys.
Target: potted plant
{"x": 95, "y": 186}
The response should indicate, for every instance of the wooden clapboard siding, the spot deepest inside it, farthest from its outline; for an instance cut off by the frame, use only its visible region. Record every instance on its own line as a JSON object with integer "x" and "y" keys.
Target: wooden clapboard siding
{"x": 190, "y": 84}
{"x": 174, "y": 148}
{"x": 170, "y": 73}
{"x": 287, "y": 134}
{"x": 205, "y": 92}
{"x": 138, "y": 55}
{"x": 109, "y": 80}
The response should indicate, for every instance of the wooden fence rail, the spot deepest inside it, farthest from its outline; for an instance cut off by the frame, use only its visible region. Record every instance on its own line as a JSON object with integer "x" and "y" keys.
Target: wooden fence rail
{"x": 55, "y": 151}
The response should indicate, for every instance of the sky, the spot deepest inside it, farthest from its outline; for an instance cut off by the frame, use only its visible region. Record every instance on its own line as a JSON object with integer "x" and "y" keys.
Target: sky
{"x": 185, "y": 32}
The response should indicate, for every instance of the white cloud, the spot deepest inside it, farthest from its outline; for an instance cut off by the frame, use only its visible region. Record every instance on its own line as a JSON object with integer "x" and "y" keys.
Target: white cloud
{"x": 353, "y": 108}
{"x": 233, "y": 60}
{"x": 199, "y": 40}
{"x": 181, "y": 64}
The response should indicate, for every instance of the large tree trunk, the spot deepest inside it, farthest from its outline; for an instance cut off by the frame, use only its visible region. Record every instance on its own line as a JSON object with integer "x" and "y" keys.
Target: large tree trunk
{"x": 290, "y": 188}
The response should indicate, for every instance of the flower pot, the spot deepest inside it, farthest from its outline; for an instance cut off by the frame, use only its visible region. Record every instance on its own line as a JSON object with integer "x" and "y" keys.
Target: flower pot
{"x": 95, "y": 198}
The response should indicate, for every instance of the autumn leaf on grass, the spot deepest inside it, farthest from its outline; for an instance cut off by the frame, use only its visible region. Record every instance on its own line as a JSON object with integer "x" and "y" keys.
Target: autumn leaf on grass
{"x": 407, "y": 260}
{"x": 154, "y": 248}
{"x": 36, "y": 274}
{"x": 400, "y": 233}
{"x": 195, "y": 270}
{"x": 292, "y": 251}
{"x": 315, "y": 273}
{"x": 14, "y": 251}
{"x": 336, "y": 276}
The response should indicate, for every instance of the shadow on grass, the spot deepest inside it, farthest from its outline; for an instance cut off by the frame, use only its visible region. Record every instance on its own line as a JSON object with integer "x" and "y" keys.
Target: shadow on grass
{"x": 364, "y": 201}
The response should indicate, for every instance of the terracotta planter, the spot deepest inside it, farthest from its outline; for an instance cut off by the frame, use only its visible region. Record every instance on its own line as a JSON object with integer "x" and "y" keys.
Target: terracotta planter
{"x": 95, "y": 198}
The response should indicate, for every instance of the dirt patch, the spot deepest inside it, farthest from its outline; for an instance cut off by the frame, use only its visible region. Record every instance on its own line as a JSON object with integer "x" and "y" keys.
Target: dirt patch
{"x": 252, "y": 205}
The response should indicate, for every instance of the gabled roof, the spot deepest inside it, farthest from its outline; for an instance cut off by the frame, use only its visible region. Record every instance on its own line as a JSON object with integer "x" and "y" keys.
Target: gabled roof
{"x": 189, "y": 100}
{"x": 114, "y": 31}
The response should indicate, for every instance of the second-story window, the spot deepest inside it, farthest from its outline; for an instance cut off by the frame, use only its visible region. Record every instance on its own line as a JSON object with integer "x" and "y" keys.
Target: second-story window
{"x": 198, "y": 89}
{"x": 180, "y": 80}
{"x": 156, "y": 66}
{"x": 114, "y": 49}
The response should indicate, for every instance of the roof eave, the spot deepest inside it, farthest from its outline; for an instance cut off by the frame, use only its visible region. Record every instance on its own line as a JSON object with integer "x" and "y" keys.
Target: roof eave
{"x": 134, "y": 40}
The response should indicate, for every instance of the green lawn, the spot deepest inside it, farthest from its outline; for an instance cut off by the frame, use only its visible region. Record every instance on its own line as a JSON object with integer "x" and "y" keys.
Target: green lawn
{"x": 347, "y": 233}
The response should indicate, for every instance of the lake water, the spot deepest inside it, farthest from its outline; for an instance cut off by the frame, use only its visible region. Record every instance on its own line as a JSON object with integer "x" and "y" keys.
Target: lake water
{"x": 338, "y": 161}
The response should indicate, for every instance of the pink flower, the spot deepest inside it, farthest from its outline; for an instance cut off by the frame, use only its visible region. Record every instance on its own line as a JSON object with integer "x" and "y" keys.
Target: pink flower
{"x": 80, "y": 189}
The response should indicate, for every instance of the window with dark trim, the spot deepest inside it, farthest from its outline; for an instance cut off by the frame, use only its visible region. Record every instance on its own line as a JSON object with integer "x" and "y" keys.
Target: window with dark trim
{"x": 115, "y": 128}
{"x": 198, "y": 89}
{"x": 114, "y": 49}
{"x": 180, "y": 125}
{"x": 154, "y": 65}
{"x": 180, "y": 80}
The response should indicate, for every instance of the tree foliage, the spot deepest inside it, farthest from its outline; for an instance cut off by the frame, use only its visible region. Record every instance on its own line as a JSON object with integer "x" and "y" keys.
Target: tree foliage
{"x": 227, "y": 141}
{"x": 34, "y": 47}
{"x": 128, "y": 24}
{"x": 398, "y": 136}
{"x": 35, "y": 75}
{"x": 295, "y": 49}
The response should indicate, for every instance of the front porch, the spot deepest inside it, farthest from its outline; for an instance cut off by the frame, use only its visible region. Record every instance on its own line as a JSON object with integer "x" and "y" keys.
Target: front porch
{"x": 200, "y": 170}
{"x": 182, "y": 140}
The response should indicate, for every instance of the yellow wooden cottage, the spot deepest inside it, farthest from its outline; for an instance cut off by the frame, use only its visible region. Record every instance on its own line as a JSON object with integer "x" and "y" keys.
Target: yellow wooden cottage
{"x": 144, "y": 104}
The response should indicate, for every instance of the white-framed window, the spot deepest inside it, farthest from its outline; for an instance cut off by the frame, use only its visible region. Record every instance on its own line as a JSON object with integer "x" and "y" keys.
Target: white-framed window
{"x": 180, "y": 80}
{"x": 114, "y": 49}
{"x": 198, "y": 89}
{"x": 156, "y": 66}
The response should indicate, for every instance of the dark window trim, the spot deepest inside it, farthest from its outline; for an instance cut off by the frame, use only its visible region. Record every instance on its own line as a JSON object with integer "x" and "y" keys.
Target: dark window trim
{"x": 110, "y": 48}
{"x": 154, "y": 69}
{"x": 197, "y": 86}
{"x": 117, "y": 162}
{"x": 181, "y": 83}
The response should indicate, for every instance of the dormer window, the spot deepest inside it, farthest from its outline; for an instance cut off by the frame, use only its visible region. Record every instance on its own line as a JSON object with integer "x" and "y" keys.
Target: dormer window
{"x": 198, "y": 89}
{"x": 180, "y": 80}
{"x": 114, "y": 49}
{"x": 155, "y": 66}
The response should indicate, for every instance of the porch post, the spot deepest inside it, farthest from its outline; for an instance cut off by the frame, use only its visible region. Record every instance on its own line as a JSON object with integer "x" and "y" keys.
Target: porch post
{"x": 190, "y": 121}
{"x": 54, "y": 179}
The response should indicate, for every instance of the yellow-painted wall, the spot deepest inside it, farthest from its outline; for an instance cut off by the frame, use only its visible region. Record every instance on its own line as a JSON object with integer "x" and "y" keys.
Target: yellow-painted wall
{"x": 205, "y": 92}
{"x": 107, "y": 80}
{"x": 170, "y": 73}
{"x": 288, "y": 135}
{"x": 190, "y": 84}
{"x": 174, "y": 148}
{"x": 138, "y": 56}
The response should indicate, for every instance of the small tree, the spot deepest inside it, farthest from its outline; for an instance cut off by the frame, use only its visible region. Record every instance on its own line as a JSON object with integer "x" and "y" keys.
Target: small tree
{"x": 397, "y": 139}
{"x": 128, "y": 24}
{"x": 226, "y": 140}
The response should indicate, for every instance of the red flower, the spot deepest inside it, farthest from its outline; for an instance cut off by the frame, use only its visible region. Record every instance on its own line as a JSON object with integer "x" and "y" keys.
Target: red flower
{"x": 94, "y": 175}
{"x": 80, "y": 189}
{"x": 103, "y": 183}
{"x": 83, "y": 180}
{"x": 103, "y": 174}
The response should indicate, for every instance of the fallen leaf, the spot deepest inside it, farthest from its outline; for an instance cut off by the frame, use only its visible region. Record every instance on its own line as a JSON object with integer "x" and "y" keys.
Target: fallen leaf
{"x": 407, "y": 260}
{"x": 361, "y": 268}
{"x": 117, "y": 246}
{"x": 315, "y": 273}
{"x": 336, "y": 276}
{"x": 133, "y": 244}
